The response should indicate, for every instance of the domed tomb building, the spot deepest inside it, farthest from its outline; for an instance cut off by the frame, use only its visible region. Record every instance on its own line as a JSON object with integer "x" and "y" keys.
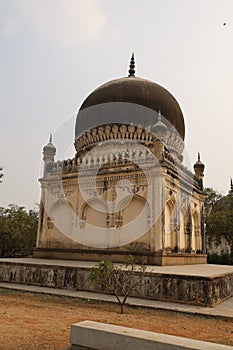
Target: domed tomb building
{"x": 126, "y": 190}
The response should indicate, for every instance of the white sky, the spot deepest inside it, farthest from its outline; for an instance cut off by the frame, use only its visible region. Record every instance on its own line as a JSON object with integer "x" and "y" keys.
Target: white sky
{"x": 53, "y": 53}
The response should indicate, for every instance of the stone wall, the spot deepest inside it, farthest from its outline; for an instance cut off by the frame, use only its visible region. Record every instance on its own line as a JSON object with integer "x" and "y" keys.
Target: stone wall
{"x": 197, "y": 290}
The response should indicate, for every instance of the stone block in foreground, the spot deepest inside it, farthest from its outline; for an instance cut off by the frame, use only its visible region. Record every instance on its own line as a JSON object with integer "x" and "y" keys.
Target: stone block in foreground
{"x": 89, "y": 335}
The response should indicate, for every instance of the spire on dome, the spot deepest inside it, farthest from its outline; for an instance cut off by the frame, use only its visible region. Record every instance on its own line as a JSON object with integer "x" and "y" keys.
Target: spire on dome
{"x": 198, "y": 157}
{"x": 50, "y": 138}
{"x": 132, "y": 67}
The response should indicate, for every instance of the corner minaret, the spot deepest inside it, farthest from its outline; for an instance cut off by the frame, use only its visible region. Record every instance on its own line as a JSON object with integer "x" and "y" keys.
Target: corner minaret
{"x": 49, "y": 152}
{"x": 199, "y": 168}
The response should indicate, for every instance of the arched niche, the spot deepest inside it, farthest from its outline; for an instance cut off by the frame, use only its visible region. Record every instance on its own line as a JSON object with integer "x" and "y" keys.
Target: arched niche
{"x": 131, "y": 207}
{"x": 170, "y": 232}
{"x": 196, "y": 237}
{"x": 183, "y": 241}
{"x": 95, "y": 212}
{"x": 62, "y": 216}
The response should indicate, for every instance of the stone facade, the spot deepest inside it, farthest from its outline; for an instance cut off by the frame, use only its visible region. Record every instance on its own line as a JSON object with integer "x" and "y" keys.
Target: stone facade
{"x": 125, "y": 191}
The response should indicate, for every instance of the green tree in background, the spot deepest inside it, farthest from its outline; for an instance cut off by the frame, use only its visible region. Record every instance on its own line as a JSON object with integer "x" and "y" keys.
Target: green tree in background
{"x": 18, "y": 229}
{"x": 219, "y": 219}
{"x": 211, "y": 197}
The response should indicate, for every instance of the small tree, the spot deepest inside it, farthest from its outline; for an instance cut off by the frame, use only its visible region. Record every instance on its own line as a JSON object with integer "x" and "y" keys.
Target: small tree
{"x": 119, "y": 280}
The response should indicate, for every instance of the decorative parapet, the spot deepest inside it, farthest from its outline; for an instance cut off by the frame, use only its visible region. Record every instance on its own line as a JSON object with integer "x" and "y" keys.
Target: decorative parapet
{"x": 112, "y": 132}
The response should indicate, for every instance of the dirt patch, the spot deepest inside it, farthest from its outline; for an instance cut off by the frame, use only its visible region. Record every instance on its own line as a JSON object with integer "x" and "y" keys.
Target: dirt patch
{"x": 34, "y": 321}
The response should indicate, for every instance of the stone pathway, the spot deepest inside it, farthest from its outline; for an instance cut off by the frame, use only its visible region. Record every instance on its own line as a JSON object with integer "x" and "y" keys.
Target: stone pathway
{"x": 225, "y": 309}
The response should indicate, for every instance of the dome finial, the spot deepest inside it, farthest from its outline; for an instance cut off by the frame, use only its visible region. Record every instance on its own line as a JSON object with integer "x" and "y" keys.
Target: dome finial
{"x": 132, "y": 67}
{"x": 50, "y": 138}
{"x": 198, "y": 156}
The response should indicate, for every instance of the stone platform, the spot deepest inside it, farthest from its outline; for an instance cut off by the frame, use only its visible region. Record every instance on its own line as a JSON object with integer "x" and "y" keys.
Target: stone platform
{"x": 118, "y": 256}
{"x": 203, "y": 284}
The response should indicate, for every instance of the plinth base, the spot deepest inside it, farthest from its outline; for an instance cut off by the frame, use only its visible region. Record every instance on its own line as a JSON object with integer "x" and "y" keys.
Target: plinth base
{"x": 202, "y": 284}
{"x": 148, "y": 258}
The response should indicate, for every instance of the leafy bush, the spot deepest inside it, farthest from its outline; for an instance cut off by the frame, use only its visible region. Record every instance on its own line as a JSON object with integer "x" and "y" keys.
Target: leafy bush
{"x": 221, "y": 259}
{"x": 17, "y": 231}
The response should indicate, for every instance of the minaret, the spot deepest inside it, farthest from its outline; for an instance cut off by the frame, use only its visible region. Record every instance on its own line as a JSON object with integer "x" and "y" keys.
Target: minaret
{"x": 49, "y": 152}
{"x": 199, "y": 168}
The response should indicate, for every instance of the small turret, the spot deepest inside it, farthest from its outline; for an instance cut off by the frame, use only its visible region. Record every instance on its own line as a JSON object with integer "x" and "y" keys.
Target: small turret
{"x": 49, "y": 152}
{"x": 160, "y": 129}
{"x": 199, "y": 168}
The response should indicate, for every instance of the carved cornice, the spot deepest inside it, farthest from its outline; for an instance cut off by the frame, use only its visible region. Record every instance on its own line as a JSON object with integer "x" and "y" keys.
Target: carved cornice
{"x": 113, "y": 132}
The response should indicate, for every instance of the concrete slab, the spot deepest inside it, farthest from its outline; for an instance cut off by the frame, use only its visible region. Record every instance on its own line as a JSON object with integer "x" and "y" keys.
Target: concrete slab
{"x": 101, "y": 336}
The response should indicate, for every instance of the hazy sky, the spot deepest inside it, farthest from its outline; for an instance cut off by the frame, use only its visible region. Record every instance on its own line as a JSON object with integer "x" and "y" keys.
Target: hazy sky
{"x": 53, "y": 53}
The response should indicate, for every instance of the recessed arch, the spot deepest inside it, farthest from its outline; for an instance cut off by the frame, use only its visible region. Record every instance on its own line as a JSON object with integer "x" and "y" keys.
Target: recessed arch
{"x": 184, "y": 236}
{"x": 60, "y": 202}
{"x": 131, "y": 207}
{"x": 61, "y": 214}
{"x": 95, "y": 212}
{"x": 93, "y": 202}
{"x": 170, "y": 232}
{"x": 196, "y": 237}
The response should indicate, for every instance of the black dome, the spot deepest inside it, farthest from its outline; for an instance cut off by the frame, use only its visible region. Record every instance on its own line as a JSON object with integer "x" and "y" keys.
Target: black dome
{"x": 133, "y": 90}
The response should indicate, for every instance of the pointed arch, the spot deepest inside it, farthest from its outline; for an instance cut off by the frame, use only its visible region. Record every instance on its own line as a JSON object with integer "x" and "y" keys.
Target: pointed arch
{"x": 61, "y": 214}
{"x": 170, "y": 232}
{"x": 130, "y": 207}
{"x": 126, "y": 200}
{"x": 184, "y": 236}
{"x": 92, "y": 201}
{"x": 196, "y": 234}
{"x": 95, "y": 212}
{"x": 58, "y": 203}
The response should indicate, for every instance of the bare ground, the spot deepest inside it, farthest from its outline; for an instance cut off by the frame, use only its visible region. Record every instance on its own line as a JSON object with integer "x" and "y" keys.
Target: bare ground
{"x": 35, "y": 321}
